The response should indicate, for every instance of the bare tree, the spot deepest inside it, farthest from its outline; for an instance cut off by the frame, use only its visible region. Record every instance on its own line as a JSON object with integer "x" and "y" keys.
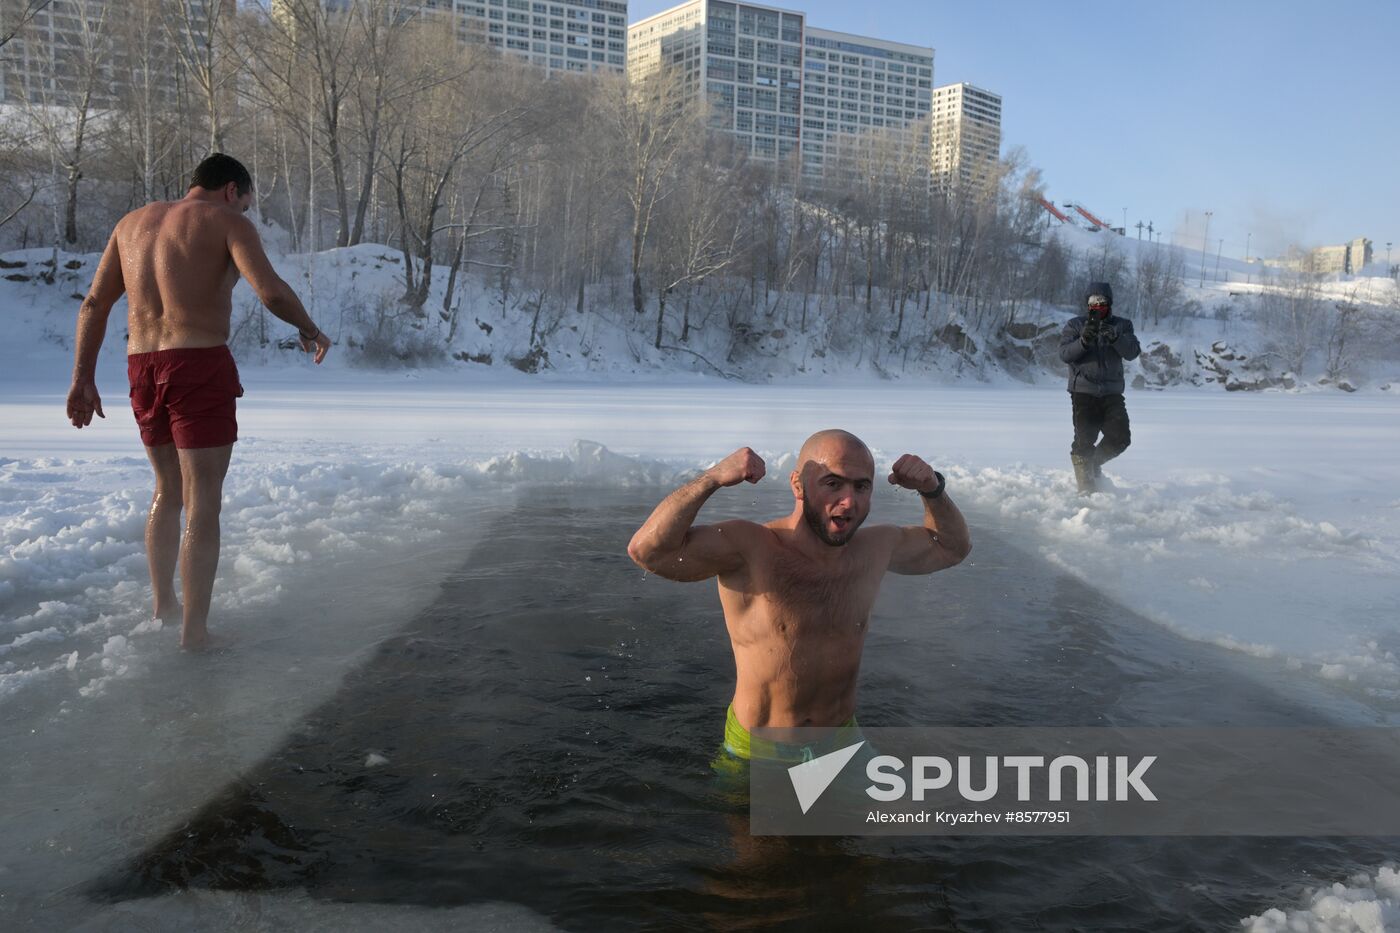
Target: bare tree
{"x": 14, "y": 23}
{"x": 196, "y": 34}
{"x": 305, "y": 59}
{"x": 1292, "y": 317}
{"x": 699, "y": 235}
{"x": 1159, "y": 282}
{"x": 147, "y": 127}
{"x": 64, "y": 108}
{"x": 652, "y": 119}
{"x": 480, "y": 113}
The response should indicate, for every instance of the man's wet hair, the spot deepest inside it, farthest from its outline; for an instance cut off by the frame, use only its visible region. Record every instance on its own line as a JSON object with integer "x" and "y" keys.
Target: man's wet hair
{"x": 218, "y": 170}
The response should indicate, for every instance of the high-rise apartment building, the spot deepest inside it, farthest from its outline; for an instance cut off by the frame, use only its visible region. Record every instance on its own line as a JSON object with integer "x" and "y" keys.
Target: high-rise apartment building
{"x": 61, "y": 43}
{"x": 558, "y": 36}
{"x": 780, "y": 86}
{"x": 965, "y": 136}
{"x": 746, "y": 57}
{"x": 856, "y": 88}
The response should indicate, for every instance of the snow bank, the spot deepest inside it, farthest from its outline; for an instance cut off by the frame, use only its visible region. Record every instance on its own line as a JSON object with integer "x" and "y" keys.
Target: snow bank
{"x": 1364, "y": 904}
{"x": 74, "y": 590}
{"x": 1238, "y": 567}
{"x": 353, "y": 294}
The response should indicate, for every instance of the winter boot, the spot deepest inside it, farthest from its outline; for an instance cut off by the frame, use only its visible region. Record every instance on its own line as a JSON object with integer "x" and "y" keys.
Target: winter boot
{"x": 1083, "y": 473}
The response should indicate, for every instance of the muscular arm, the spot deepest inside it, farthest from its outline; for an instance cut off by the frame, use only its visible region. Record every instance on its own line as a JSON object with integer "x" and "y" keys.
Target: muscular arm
{"x": 245, "y": 246}
{"x": 107, "y": 286}
{"x": 671, "y": 545}
{"x": 943, "y": 540}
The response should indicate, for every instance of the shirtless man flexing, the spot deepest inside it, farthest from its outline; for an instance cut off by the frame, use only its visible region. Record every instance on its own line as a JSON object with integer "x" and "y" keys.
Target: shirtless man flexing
{"x": 177, "y": 262}
{"x": 797, "y": 591}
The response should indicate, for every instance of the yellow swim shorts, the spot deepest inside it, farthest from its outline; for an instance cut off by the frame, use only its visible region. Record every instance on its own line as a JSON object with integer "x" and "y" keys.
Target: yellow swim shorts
{"x": 741, "y": 744}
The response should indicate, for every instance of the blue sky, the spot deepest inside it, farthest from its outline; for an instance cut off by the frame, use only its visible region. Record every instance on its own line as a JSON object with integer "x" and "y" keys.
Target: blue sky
{"x": 1279, "y": 117}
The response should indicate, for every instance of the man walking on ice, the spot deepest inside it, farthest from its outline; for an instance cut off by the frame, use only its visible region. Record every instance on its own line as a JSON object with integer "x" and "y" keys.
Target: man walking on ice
{"x": 1095, "y": 344}
{"x": 177, "y": 262}
{"x": 797, "y": 591}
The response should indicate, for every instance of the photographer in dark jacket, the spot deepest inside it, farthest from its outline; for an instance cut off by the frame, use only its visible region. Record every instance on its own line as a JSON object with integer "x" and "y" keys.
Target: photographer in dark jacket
{"x": 1095, "y": 345}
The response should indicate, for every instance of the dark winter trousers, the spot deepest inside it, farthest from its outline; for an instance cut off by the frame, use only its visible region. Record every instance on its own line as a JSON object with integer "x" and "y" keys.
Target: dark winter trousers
{"x": 1094, "y": 414}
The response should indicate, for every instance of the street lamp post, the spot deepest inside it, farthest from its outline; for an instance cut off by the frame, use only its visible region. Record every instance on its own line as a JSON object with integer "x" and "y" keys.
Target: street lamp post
{"x": 1220, "y": 246}
{"x": 1387, "y": 258}
{"x": 1205, "y": 245}
{"x": 1125, "y": 221}
{"x": 1247, "y": 238}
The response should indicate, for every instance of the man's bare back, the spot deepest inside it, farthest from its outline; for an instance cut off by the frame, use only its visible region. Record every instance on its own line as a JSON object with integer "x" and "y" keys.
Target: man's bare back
{"x": 177, "y": 262}
{"x": 797, "y": 591}
{"x": 179, "y": 274}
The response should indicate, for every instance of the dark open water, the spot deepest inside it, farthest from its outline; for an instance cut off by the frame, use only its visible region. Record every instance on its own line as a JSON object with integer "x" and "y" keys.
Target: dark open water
{"x": 549, "y": 722}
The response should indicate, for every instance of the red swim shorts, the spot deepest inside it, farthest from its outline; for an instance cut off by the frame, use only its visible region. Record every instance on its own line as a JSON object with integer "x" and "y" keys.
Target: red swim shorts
{"x": 185, "y": 396}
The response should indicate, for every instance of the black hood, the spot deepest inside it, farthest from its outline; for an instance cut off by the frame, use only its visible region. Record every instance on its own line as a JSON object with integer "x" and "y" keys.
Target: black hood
{"x": 1099, "y": 288}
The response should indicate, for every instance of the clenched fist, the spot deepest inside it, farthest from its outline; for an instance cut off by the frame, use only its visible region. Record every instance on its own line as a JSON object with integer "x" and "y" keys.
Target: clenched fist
{"x": 740, "y": 466}
{"x": 912, "y": 473}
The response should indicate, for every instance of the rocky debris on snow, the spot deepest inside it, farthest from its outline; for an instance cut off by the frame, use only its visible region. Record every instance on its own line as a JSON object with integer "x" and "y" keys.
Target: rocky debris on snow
{"x": 532, "y": 362}
{"x": 1160, "y": 367}
{"x": 953, "y": 336}
{"x": 1238, "y": 372}
{"x": 1023, "y": 347}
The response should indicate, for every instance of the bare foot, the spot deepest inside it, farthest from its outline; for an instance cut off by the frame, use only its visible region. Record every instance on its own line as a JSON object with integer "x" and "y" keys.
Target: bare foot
{"x": 168, "y": 613}
{"x": 204, "y": 642}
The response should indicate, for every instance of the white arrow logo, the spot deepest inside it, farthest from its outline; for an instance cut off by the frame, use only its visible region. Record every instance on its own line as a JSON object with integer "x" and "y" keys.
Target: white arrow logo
{"x": 811, "y": 778}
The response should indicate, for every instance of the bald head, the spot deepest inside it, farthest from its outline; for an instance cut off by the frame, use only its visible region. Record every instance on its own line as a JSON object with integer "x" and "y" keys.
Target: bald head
{"x": 833, "y": 444}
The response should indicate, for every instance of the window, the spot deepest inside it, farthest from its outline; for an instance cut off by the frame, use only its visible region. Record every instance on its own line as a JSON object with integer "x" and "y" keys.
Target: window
{"x": 722, "y": 68}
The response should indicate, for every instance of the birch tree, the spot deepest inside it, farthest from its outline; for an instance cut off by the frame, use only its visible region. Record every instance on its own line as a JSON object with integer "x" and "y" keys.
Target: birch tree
{"x": 652, "y": 120}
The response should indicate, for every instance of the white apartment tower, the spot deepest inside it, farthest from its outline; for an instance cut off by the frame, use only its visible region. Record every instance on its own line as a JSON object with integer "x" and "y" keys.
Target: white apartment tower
{"x": 965, "y": 135}
{"x": 746, "y": 57}
{"x": 63, "y": 40}
{"x": 556, "y": 35}
{"x": 855, "y": 88}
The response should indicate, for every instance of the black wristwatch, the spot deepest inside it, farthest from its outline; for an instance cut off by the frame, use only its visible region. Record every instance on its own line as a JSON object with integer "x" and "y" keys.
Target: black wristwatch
{"x": 937, "y": 493}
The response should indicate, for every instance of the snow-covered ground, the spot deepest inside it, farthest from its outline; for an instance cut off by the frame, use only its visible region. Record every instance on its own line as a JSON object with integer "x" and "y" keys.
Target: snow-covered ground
{"x": 1268, "y": 523}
